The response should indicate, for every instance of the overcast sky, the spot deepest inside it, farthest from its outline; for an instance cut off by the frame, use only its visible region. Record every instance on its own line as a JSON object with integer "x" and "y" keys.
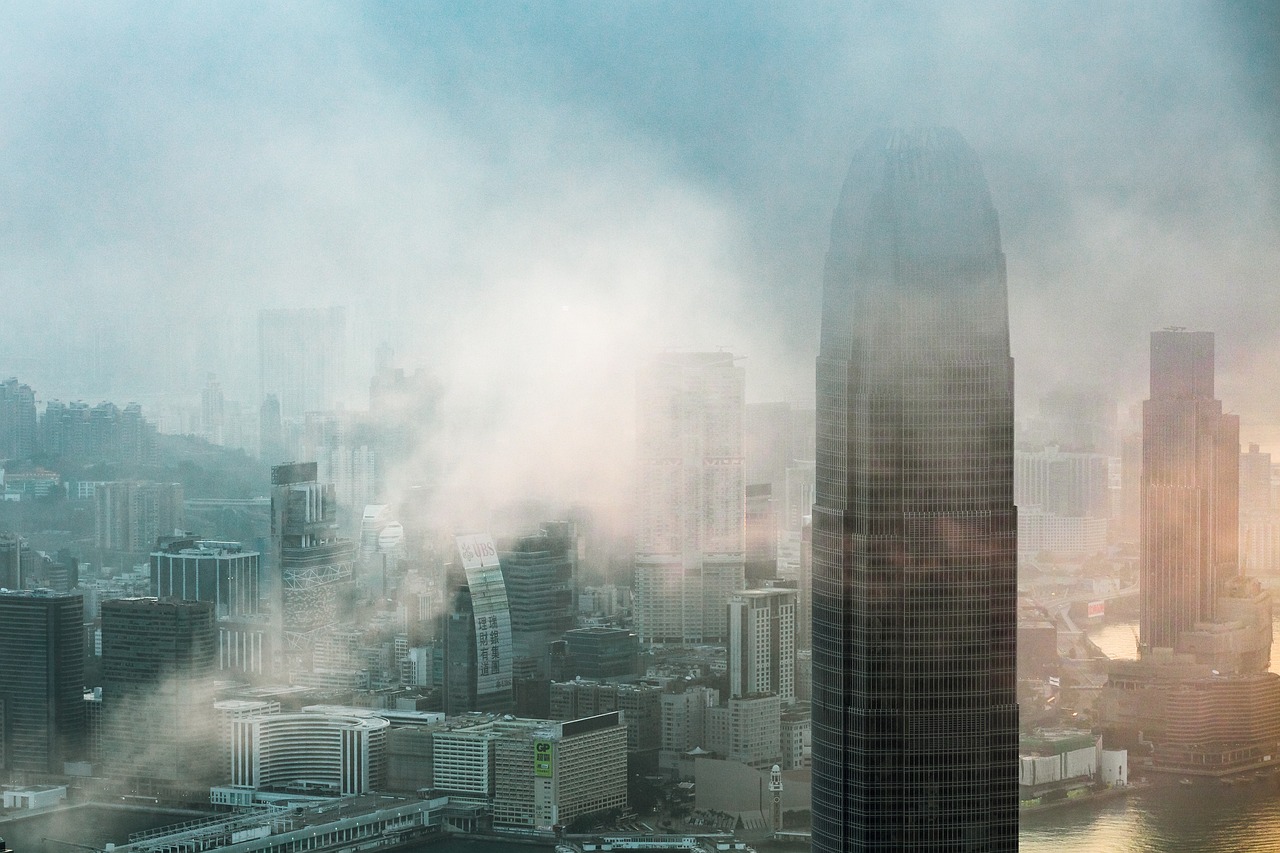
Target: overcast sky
{"x": 527, "y": 198}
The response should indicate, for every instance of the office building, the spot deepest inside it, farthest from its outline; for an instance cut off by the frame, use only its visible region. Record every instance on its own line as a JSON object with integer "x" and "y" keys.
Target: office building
{"x": 640, "y": 704}
{"x": 195, "y": 569}
{"x": 538, "y": 572}
{"x": 42, "y": 708}
{"x": 915, "y": 722}
{"x": 17, "y": 562}
{"x": 302, "y": 355}
{"x": 311, "y": 594}
{"x": 229, "y": 576}
{"x": 1200, "y": 699}
{"x": 549, "y": 774}
{"x": 690, "y": 548}
{"x": 159, "y": 660}
{"x": 321, "y": 753}
{"x": 462, "y": 760}
{"x": 478, "y": 652}
{"x": 762, "y": 643}
{"x": 1190, "y": 495}
{"x": 1063, "y": 500}
{"x": 602, "y": 653}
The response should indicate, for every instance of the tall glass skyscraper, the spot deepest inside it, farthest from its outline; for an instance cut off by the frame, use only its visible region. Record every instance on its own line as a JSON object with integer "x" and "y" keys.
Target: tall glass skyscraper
{"x": 915, "y": 722}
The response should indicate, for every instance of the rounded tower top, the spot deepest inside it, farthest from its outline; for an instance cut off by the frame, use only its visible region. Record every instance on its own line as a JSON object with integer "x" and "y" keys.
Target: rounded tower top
{"x": 914, "y": 221}
{"x": 920, "y": 192}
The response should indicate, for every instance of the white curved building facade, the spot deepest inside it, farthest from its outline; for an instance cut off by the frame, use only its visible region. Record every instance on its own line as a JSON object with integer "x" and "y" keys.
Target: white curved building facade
{"x": 335, "y": 753}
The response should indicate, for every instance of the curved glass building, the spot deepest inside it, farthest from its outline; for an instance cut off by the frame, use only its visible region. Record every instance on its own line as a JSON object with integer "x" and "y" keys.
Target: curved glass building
{"x": 915, "y": 722}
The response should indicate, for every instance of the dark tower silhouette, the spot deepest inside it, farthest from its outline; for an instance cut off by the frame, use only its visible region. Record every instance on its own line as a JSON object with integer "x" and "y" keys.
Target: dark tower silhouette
{"x": 915, "y": 722}
{"x": 42, "y": 717}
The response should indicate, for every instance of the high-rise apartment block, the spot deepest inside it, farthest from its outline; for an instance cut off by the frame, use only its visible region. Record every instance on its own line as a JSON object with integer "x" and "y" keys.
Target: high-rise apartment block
{"x": 302, "y": 355}
{"x": 762, "y": 643}
{"x": 915, "y": 722}
{"x": 1259, "y": 520}
{"x": 213, "y": 412}
{"x": 101, "y": 433}
{"x": 1063, "y": 499}
{"x": 42, "y": 708}
{"x": 690, "y": 548}
{"x": 131, "y": 516}
{"x": 684, "y": 723}
{"x": 344, "y": 457}
{"x": 271, "y": 447}
{"x": 18, "y": 433}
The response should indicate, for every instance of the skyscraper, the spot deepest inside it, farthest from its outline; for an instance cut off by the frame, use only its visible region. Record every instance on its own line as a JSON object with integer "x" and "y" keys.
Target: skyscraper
{"x": 1200, "y": 700}
{"x": 159, "y": 658}
{"x": 315, "y": 566}
{"x": 915, "y": 722}
{"x": 538, "y": 572}
{"x": 1190, "y": 490}
{"x": 42, "y": 722}
{"x": 690, "y": 548}
{"x": 477, "y": 651}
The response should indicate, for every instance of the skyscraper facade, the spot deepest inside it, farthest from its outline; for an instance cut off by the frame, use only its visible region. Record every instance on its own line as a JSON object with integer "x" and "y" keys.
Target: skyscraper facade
{"x": 159, "y": 660}
{"x": 42, "y": 716}
{"x": 315, "y": 566}
{"x": 915, "y": 722}
{"x": 1190, "y": 490}
{"x": 538, "y": 573}
{"x": 690, "y": 546}
{"x": 477, "y": 652}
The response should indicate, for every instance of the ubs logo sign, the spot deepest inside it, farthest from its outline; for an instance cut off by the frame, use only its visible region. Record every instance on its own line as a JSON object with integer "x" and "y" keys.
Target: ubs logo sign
{"x": 477, "y": 550}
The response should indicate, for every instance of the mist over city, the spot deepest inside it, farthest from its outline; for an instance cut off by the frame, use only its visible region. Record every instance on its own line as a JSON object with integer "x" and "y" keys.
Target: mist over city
{"x": 448, "y": 380}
